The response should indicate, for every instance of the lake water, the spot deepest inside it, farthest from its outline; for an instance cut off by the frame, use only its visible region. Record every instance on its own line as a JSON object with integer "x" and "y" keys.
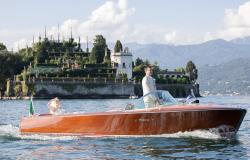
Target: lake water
{"x": 188, "y": 145}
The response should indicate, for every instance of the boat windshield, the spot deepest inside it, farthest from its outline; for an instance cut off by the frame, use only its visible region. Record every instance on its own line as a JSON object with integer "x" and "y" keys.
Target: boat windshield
{"x": 156, "y": 98}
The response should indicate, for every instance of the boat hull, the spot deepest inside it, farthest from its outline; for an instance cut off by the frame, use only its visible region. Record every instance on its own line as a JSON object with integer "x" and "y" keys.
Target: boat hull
{"x": 145, "y": 122}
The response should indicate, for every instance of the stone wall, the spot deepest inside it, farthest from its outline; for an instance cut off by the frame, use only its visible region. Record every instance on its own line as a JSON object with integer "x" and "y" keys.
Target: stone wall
{"x": 82, "y": 90}
{"x": 94, "y": 89}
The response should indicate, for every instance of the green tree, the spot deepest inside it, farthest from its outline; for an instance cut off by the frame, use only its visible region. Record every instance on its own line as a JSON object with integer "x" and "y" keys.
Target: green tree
{"x": 179, "y": 80}
{"x": 180, "y": 70}
{"x": 174, "y": 80}
{"x": 138, "y": 72}
{"x": 156, "y": 70}
{"x": 85, "y": 60}
{"x": 107, "y": 59}
{"x": 138, "y": 62}
{"x": 26, "y": 54}
{"x": 41, "y": 50}
{"x": 118, "y": 46}
{"x": 192, "y": 71}
{"x": 93, "y": 55}
{"x": 146, "y": 62}
{"x": 185, "y": 80}
{"x": 98, "y": 51}
{"x": 11, "y": 64}
{"x": 2, "y": 47}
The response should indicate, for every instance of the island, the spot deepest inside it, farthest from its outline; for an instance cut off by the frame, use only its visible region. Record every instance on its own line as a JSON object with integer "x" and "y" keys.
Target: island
{"x": 61, "y": 68}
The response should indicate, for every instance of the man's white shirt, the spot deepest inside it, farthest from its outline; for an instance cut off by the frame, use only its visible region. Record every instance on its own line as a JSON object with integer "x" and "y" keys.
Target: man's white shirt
{"x": 148, "y": 84}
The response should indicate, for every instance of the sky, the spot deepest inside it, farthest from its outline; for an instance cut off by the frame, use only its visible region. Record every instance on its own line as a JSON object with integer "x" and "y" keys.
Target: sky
{"x": 153, "y": 21}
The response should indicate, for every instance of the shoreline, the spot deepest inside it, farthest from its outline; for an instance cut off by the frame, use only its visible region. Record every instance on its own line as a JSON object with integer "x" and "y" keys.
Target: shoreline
{"x": 68, "y": 97}
{"x": 76, "y": 97}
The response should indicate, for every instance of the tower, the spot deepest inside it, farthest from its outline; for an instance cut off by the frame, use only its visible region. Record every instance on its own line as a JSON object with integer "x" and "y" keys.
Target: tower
{"x": 33, "y": 40}
{"x": 71, "y": 32}
{"x": 106, "y": 52}
{"x": 40, "y": 37}
{"x": 45, "y": 33}
{"x": 27, "y": 50}
{"x": 122, "y": 61}
{"x": 58, "y": 33}
{"x": 79, "y": 44}
{"x": 71, "y": 40}
{"x": 87, "y": 48}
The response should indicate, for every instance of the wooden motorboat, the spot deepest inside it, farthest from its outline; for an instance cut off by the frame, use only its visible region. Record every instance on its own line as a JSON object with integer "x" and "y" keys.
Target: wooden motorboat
{"x": 166, "y": 116}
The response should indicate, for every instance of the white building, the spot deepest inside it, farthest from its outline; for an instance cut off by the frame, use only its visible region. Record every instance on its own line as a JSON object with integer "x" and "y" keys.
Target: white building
{"x": 122, "y": 61}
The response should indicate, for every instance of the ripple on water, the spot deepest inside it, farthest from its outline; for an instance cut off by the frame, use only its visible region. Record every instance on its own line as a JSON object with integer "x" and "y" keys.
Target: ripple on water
{"x": 199, "y": 144}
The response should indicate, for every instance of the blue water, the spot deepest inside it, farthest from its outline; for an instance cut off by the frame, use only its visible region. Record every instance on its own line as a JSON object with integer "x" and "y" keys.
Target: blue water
{"x": 189, "y": 145}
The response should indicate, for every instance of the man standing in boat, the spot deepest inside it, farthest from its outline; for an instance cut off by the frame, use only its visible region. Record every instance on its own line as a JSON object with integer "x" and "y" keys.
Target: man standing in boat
{"x": 148, "y": 85}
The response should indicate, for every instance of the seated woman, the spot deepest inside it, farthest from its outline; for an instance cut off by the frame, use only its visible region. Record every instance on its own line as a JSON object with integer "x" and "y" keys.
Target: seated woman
{"x": 53, "y": 105}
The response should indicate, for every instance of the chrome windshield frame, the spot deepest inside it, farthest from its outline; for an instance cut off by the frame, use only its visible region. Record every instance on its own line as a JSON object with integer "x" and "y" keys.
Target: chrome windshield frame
{"x": 161, "y": 98}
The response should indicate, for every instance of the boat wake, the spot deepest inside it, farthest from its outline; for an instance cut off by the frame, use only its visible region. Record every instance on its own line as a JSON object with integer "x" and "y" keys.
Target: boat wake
{"x": 221, "y": 132}
{"x": 11, "y": 132}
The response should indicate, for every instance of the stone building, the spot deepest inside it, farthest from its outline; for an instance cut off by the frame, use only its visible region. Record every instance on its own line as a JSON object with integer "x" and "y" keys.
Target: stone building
{"x": 167, "y": 74}
{"x": 122, "y": 61}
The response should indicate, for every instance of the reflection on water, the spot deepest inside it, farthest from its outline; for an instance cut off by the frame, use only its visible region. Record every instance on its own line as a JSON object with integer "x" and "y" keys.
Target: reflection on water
{"x": 137, "y": 148}
{"x": 188, "y": 145}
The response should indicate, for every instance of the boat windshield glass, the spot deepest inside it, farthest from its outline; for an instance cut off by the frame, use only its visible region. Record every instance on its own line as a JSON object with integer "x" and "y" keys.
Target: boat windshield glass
{"x": 153, "y": 99}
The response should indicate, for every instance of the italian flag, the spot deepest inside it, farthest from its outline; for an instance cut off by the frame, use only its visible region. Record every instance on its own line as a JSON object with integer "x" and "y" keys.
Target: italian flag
{"x": 31, "y": 107}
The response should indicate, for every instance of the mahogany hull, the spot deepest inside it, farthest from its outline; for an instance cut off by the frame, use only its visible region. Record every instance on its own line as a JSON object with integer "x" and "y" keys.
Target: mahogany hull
{"x": 144, "y": 122}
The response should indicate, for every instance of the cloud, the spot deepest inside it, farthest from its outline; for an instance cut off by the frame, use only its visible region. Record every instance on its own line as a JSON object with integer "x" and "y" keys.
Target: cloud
{"x": 110, "y": 19}
{"x": 20, "y": 44}
{"x": 179, "y": 38}
{"x": 11, "y": 35}
{"x": 236, "y": 24}
{"x": 239, "y": 17}
{"x": 113, "y": 20}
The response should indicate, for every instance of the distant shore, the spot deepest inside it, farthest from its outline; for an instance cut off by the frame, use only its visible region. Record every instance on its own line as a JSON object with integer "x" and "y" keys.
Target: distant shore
{"x": 14, "y": 98}
{"x": 67, "y": 97}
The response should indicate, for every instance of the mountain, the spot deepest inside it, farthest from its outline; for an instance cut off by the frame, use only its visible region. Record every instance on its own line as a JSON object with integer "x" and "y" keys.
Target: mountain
{"x": 213, "y": 52}
{"x": 227, "y": 78}
{"x": 243, "y": 40}
{"x": 223, "y": 65}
